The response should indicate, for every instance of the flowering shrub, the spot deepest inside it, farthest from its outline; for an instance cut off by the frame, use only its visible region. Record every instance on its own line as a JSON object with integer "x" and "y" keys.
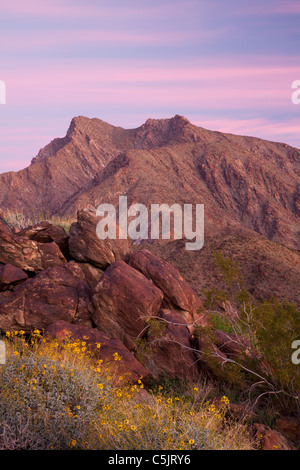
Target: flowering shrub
{"x": 57, "y": 395}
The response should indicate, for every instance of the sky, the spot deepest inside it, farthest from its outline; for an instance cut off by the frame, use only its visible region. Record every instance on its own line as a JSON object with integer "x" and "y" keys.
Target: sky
{"x": 225, "y": 65}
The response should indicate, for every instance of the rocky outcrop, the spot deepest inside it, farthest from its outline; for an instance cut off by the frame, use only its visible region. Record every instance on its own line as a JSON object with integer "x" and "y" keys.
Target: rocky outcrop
{"x": 167, "y": 350}
{"x": 124, "y": 301}
{"x": 289, "y": 426}
{"x": 134, "y": 305}
{"x": 27, "y": 254}
{"x": 177, "y": 293}
{"x": 86, "y": 246}
{"x": 136, "y": 299}
{"x": 269, "y": 439}
{"x": 45, "y": 232}
{"x": 52, "y": 295}
{"x": 10, "y": 276}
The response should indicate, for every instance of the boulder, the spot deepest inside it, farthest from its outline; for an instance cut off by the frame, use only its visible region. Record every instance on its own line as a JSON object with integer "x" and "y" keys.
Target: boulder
{"x": 45, "y": 232}
{"x": 91, "y": 273}
{"x": 86, "y": 246}
{"x": 19, "y": 252}
{"x": 54, "y": 294}
{"x": 269, "y": 439}
{"x": 167, "y": 351}
{"x": 124, "y": 300}
{"x": 26, "y": 254}
{"x": 178, "y": 295}
{"x": 128, "y": 366}
{"x": 10, "y": 276}
{"x": 51, "y": 255}
{"x": 289, "y": 426}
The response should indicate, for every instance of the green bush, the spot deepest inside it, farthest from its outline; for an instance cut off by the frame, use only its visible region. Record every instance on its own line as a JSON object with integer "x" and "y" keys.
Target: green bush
{"x": 270, "y": 326}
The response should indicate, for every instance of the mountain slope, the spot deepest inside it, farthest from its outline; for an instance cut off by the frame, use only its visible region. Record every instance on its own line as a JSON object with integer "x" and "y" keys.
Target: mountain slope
{"x": 244, "y": 182}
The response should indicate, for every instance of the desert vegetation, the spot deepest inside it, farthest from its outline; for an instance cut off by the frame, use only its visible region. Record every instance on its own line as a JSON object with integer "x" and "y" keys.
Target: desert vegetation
{"x": 57, "y": 395}
{"x": 263, "y": 369}
{"x": 17, "y": 220}
{"x": 210, "y": 374}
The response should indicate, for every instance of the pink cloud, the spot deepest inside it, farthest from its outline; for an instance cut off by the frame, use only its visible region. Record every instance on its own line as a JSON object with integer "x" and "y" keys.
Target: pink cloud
{"x": 258, "y": 127}
{"x": 276, "y": 7}
{"x": 34, "y": 41}
{"x": 287, "y": 7}
{"x": 56, "y": 8}
{"x": 192, "y": 85}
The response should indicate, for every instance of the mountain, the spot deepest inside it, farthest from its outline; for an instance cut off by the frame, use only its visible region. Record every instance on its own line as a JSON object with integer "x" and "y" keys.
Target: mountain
{"x": 242, "y": 181}
{"x": 250, "y": 189}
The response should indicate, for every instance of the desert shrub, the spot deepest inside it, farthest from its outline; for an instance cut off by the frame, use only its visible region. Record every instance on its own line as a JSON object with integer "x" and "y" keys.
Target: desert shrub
{"x": 270, "y": 326}
{"x": 168, "y": 422}
{"x": 221, "y": 323}
{"x": 46, "y": 402}
{"x": 20, "y": 221}
{"x": 57, "y": 395}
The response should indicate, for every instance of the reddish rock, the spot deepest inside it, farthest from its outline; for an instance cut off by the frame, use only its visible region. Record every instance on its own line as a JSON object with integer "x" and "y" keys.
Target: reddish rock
{"x": 91, "y": 273}
{"x": 28, "y": 254}
{"x": 19, "y": 252}
{"x": 129, "y": 367}
{"x": 55, "y": 294}
{"x": 45, "y": 232}
{"x": 289, "y": 427}
{"x": 168, "y": 351}
{"x": 177, "y": 292}
{"x": 86, "y": 246}
{"x": 234, "y": 346}
{"x": 268, "y": 439}
{"x": 10, "y": 276}
{"x": 85, "y": 305}
{"x": 124, "y": 300}
{"x": 51, "y": 255}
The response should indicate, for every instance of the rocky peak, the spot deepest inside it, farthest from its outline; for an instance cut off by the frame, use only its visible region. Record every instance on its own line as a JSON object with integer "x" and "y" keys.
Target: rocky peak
{"x": 161, "y": 132}
{"x": 241, "y": 180}
{"x": 51, "y": 149}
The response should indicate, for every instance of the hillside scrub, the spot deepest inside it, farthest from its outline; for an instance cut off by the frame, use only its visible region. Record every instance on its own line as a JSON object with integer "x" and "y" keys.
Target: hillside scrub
{"x": 265, "y": 371}
{"x": 56, "y": 395}
{"x": 17, "y": 220}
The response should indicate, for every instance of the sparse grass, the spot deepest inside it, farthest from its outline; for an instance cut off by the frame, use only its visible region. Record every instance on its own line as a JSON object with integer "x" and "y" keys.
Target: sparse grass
{"x": 57, "y": 395}
{"x": 19, "y": 221}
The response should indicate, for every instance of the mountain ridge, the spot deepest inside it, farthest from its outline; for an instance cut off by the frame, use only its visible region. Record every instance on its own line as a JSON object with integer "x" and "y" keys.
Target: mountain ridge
{"x": 244, "y": 182}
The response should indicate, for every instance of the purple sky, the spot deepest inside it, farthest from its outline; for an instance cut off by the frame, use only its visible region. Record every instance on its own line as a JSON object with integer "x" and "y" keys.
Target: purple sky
{"x": 226, "y": 65}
